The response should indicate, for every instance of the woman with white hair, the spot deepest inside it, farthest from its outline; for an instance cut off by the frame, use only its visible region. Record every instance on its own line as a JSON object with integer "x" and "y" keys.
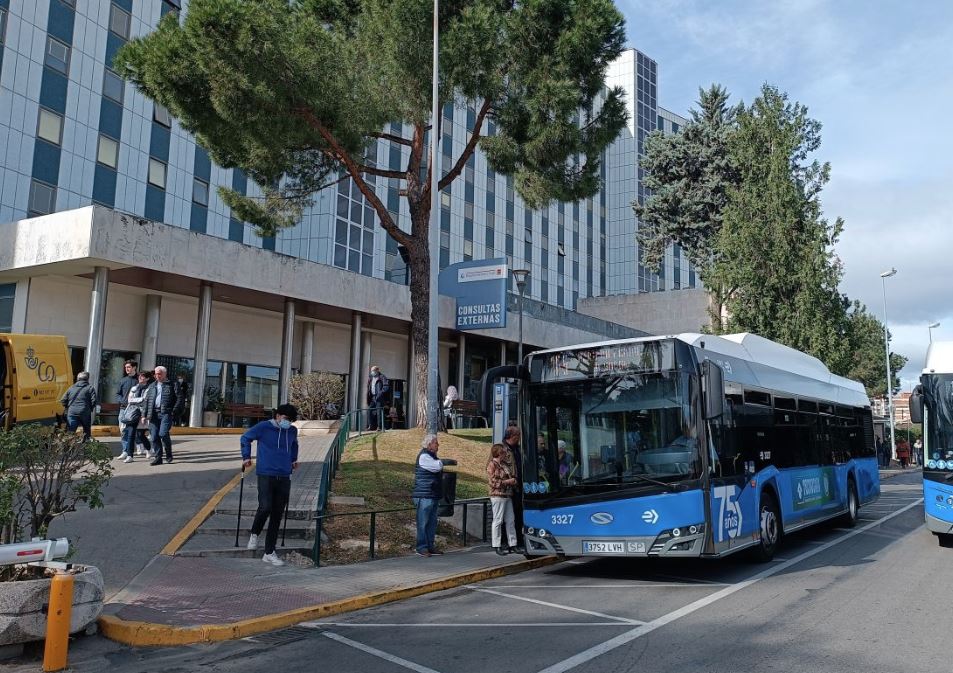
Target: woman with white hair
{"x": 452, "y": 396}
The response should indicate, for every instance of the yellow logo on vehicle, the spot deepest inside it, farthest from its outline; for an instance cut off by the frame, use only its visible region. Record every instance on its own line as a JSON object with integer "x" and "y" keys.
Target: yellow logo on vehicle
{"x": 45, "y": 372}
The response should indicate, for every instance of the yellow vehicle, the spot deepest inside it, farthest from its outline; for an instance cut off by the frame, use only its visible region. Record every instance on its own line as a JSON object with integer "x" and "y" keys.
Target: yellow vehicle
{"x": 35, "y": 371}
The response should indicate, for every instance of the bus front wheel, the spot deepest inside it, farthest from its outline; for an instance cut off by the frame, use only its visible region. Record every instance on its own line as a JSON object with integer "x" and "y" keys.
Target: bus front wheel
{"x": 946, "y": 540}
{"x": 770, "y": 522}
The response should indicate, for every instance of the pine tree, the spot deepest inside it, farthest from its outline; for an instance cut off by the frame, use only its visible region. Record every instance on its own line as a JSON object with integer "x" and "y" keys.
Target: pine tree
{"x": 294, "y": 92}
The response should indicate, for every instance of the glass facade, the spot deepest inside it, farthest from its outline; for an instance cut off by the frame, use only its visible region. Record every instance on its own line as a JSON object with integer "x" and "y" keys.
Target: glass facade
{"x": 7, "y": 293}
{"x": 100, "y": 141}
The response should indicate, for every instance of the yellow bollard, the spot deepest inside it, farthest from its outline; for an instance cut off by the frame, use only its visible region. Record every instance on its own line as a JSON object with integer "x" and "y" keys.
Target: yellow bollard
{"x": 57, "y": 622}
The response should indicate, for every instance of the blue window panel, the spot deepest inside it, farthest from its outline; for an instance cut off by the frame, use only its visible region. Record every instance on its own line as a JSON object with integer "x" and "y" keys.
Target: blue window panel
{"x": 53, "y": 91}
{"x": 239, "y": 181}
{"x": 159, "y": 142}
{"x": 104, "y": 186}
{"x": 203, "y": 166}
{"x": 468, "y": 229}
{"x": 60, "y": 23}
{"x": 110, "y": 118}
{"x": 124, "y": 4}
{"x": 46, "y": 162}
{"x": 113, "y": 43}
{"x": 155, "y": 203}
{"x": 236, "y": 230}
{"x": 268, "y": 243}
{"x": 199, "y": 221}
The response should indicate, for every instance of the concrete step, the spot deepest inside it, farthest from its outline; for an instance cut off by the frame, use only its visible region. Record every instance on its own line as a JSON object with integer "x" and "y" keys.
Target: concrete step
{"x": 225, "y": 524}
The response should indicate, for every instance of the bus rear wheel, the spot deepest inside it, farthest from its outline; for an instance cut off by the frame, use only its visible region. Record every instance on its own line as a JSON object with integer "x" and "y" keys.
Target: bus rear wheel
{"x": 769, "y": 518}
{"x": 850, "y": 517}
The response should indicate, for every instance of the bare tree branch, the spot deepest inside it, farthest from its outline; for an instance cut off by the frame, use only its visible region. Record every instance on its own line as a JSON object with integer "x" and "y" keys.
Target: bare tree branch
{"x": 469, "y": 149}
{"x": 391, "y": 137}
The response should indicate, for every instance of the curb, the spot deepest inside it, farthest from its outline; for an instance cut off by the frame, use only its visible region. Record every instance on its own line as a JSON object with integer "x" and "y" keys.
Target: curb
{"x": 146, "y": 634}
{"x": 113, "y": 431}
{"x": 205, "y": 512}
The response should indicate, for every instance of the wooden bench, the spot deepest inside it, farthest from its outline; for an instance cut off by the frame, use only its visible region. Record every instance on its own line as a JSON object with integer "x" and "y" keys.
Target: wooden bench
{"x": 254, "y": 412}
{"x": 108, "y": 414}
{"x": 466, "y": 409}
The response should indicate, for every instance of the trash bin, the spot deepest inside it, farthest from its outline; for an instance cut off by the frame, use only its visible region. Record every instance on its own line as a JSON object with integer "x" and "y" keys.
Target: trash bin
{"x": 448, "y": 489}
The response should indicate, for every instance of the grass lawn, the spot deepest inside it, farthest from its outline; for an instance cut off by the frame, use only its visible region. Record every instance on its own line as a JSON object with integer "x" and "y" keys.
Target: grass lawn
{"x": 380, "y": 468}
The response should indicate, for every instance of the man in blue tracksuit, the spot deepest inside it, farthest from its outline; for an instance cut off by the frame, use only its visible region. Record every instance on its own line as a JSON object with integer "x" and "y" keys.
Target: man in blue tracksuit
{"x": 277, "y": 458}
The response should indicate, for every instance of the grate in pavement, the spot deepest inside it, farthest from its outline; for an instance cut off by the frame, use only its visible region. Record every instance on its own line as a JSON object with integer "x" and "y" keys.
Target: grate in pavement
{"x": 282, "y": 637}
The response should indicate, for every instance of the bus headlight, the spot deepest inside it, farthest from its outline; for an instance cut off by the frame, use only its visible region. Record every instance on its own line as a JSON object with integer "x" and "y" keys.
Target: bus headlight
{"x": 542, "y": 533}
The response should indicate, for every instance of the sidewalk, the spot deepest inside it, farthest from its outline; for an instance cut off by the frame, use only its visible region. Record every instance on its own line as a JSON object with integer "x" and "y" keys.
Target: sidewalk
{"x": 177, "y": 600}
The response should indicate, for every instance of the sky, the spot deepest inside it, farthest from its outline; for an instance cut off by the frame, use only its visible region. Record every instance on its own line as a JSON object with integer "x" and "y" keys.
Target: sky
{"x": 878, "y": 74}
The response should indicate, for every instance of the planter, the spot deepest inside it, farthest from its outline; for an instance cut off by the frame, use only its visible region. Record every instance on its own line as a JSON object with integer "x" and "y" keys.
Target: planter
{"x": 313, "y": 428}
{"x": 210, "y": 419}
{"x": 21, "y": 605}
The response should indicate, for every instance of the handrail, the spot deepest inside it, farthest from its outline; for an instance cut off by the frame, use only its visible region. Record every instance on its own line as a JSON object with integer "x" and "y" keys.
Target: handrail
{"x": 372, "y": 541}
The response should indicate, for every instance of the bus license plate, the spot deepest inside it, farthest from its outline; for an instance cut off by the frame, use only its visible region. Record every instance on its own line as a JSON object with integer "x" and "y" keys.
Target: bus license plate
{"x": 603, "y": 547}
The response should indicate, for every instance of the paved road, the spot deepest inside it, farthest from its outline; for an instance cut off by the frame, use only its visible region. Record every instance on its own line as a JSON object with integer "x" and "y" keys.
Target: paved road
{"x": 874, "y": 598}
{"x": 146, "y": 506}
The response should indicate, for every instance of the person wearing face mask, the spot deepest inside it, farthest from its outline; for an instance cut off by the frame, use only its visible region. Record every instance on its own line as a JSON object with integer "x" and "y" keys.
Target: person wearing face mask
{"x": 277, "y": 459}
{"x": 180, "y": 415}
{"x": 377, "y": 388}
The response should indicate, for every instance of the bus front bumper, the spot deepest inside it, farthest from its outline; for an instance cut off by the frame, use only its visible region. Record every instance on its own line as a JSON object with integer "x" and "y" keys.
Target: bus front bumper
{"x": 669, "y": 543}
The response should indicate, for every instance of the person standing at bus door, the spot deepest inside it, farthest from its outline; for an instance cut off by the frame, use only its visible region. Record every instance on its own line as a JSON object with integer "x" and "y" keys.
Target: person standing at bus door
{"x": 501, "y": 475}
{"x": 78, "y": 403}
{"x": 565, "y": 461}
{"x": 918, "y": 450}
{"x": 511, "y": 437}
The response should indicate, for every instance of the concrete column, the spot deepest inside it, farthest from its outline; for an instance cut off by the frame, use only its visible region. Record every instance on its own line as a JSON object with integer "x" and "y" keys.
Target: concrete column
{"x": 410, "y": 392}
{"x": 21, "y": 303}
{"x": 287, "y": 346}
{"x": 461, "y": 363}
{"x": 150, "y": 338}
{"x": 307, "y": 348}
{"x": 502, "y": 353}
{"x": 366, "y": 356}
{"x": 202, "y": 329}
{"x": 354, "y": 374}
{"x": 97, "y": 324}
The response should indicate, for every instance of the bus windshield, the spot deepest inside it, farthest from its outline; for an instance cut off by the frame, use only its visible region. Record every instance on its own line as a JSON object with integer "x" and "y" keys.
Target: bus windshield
{"x": 599, "y": 434}
{"x": 938, "y": 391}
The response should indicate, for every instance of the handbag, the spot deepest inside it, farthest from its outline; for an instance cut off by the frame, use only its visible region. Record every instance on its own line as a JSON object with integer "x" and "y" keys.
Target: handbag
{"x": 130, "y": 415}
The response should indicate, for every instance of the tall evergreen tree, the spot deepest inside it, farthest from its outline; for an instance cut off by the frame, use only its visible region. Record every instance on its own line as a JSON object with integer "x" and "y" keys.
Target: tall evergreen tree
{"x": 689, "y": 175}
{"x": 294, "y": 92}
{"x": 775, "y": 252}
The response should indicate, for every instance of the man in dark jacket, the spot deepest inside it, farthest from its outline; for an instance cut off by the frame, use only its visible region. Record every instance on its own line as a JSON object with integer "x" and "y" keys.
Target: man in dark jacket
{"x": 428, "y": 488}
{"x": 160, "y": 424}
{"x": 79, "y": 402}
{"x": 277, "y": 459}
{"x": 122, "y": 395}
{"x": 377, "y": 388}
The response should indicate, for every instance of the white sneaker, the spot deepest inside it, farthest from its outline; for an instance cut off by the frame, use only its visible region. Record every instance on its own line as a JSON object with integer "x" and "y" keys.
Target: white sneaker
{"x": 252, "y": 542}
{"x": 139, "y": 450}
{"x": 127, "y": 459}
{"x": 273, "y": 559}
{"x": 124, "y": 455}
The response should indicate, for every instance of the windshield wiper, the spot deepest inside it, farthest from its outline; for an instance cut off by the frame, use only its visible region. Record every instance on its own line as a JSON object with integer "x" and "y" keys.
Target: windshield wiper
{"x": 642, "y": 477}
{"x": 619, "y": 481}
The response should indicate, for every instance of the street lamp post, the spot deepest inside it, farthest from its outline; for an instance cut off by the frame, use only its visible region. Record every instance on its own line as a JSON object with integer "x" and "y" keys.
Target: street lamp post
{"x": 883, "y": 279}
{"x": 433, "y": 355}
{"x": 932, "y": 326}
{"x": 520, "y": 276}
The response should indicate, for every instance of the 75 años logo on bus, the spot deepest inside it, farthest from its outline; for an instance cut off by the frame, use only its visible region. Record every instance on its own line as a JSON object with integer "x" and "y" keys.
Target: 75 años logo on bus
{"x": 728, "y": 525}
{"x": 44, "y": 370}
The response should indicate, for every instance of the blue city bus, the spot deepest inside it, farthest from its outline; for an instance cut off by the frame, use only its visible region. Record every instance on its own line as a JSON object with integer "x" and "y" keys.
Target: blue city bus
{"x": 932, "y": 405}
{"x": 690, "y": 445}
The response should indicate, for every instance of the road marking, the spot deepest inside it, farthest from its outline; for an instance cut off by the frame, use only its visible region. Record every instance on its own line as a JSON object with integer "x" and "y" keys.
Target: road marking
{"x": 380, "y": 654}
{"x": 693, "y": 580}
{"x": 553, "y": 605}
{"x": 493, "y": 625}
{"x": 597, "y": 651}
{"x": 631, "y": 585}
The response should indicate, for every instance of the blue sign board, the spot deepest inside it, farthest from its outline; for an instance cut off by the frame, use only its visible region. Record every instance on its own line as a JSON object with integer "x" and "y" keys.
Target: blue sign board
{"x": 479, "y": 286}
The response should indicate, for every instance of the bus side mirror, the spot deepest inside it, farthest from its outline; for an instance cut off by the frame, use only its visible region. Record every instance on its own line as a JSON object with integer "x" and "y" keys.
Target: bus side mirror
{"x": 916, "y": 405}
{"x": 713, "y": 388}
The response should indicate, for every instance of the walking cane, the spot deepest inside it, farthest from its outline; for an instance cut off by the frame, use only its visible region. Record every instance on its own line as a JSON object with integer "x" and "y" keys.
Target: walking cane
{"x": 241, "y": 494}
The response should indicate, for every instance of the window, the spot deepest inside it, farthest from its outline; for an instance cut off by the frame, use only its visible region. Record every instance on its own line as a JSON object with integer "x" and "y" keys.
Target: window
{"x": 108, "y": 153}
{"x": 49, "y": 126}
{"x": 3, "y": 23}
{"x": 8, "y": 292}
{"x": 161, "y": 115}
{"x": 157, "y": 173}
{"x": 57, "y": 55}
{"x": 200, "y": 192}
{"x": 42, "y": 198}
{"x": 119, "y": 22}
{"x": 113, "y": 86}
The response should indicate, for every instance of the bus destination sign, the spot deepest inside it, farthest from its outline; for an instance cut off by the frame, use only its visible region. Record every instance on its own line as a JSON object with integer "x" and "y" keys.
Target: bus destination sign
{"x": 612, "y": 360}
